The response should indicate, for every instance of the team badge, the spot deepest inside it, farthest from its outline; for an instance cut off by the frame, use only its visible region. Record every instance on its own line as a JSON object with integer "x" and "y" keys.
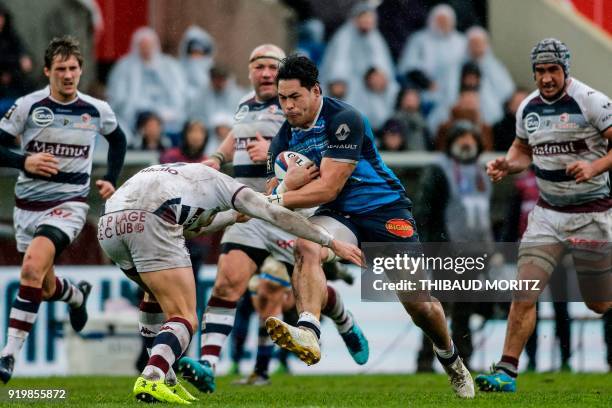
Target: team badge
{"x": 400, "y": 227}
{"x": 343, "y": 132}
{"x": 564, "y": 117}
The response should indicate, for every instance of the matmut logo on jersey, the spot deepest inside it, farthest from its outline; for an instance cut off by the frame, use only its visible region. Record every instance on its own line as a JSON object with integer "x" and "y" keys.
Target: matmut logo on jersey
{"x": 552, "y": 149}
{"x": 42, "y": 116}
{"x": 58, "y": 149}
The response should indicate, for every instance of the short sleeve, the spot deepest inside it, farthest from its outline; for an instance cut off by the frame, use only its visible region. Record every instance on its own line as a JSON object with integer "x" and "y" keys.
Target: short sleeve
{"x": 226, "y": 188}
{"x": 15, "y": 118}
{"x": 345, "y": 134}
{"x": 279, "y": 144}
{"x": 521, "y": 133}
{"x": 108, "y": 120}
{"x": 599, "y": 111}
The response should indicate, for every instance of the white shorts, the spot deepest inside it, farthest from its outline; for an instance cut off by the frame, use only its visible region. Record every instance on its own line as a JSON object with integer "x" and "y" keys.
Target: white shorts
{"x": 260, "y": 234}
{"x": 68, "y": 217}
{"x": 581, "y": 232}
{"x": 142, "y": 240}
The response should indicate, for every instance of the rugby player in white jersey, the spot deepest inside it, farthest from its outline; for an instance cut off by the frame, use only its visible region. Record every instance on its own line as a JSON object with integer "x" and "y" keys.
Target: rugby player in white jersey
{"x": 58, "y": 126}
{"x": 142, "y": 231}
{"x": 564, "y": 128}
{"x": 245, "y": 246}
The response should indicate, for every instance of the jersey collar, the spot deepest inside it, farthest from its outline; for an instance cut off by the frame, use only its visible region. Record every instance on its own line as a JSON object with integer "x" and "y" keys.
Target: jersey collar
{"x": 314, "y": 122}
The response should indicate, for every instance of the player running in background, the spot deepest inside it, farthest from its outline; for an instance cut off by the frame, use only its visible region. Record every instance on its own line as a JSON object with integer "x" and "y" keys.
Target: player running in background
{"x": 245, "y": 246}
{"x": 359, "y": 196}
{"x": 142, "y": 231}
{"x": 58, "y": 126}
{"x": 564, "y": 128}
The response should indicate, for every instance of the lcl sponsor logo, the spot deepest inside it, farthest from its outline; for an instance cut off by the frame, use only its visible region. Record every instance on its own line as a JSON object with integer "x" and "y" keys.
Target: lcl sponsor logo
{"x": 42, "y": 116}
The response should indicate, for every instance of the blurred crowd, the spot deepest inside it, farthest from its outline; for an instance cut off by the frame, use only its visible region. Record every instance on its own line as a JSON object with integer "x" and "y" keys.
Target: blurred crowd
{"x": 413, "y": 82}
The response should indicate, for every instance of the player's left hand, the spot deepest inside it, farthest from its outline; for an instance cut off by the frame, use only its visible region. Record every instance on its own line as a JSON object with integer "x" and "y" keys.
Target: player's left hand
{"x": 581, "y": 170}
{"x": 258, "y": 149}
{"x": 105, "y": 188}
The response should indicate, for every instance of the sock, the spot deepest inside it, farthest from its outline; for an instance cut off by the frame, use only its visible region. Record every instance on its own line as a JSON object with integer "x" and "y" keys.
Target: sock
{"x": 217, "y": 325}
{"x": 308, "y": 321}
{"x": 21, "y": 319}
{"x": 334, "y": 309}
{"x": 65, "y": 291}
{"x": 150, "y": 320}
{"x": 508, "y": 365}
{"x": 265, "y": 347}
{"x": 170, "y": 343}
{"x": 446, "y": 357}
{"x": 244, "y": 309}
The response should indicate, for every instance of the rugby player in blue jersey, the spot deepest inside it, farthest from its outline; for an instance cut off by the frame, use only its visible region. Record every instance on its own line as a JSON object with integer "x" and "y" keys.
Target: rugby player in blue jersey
{"x": 360, "y": 200}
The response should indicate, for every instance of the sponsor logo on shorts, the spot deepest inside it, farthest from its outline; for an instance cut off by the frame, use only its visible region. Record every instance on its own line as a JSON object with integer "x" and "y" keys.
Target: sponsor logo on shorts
{"x": 532, "y": 122}
{"x": 125, "y": 222}
{"x": 42, "y": 116}
{"x": 400, "y": 227}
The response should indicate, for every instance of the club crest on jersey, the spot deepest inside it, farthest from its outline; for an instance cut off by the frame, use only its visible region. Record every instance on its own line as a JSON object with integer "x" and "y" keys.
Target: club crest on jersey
{"x": 42, "y": 116}
{"x": 532, "y": 122}
{"x": 242, "y": 112}
{"x": 564, "y": 117}
{"x": 343, "y": 132}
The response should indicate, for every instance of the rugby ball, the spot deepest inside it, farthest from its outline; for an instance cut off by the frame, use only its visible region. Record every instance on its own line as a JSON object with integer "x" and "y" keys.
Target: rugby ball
{"x": 282, "y": 163}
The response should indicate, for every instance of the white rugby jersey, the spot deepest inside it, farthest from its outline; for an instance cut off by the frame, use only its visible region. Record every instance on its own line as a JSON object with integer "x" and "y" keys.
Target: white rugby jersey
{"x": 66, "y": 130}
{"x": 179, "y": 193}
{"x": 562, "y": 132}
{"x": 252, "y": 116}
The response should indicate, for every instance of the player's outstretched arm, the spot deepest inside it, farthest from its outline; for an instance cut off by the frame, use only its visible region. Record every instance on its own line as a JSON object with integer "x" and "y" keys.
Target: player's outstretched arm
{"x": 256, "y": 205}
{"x": 516, "y": 160}
{"x": 219, "y": 222}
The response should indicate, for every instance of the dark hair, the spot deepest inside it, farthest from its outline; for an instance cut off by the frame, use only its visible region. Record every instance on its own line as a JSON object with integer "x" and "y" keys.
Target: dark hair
{"x": 298, "y": 67}
{"x": 460, "y": 128}
{"x": 66, "y": 47}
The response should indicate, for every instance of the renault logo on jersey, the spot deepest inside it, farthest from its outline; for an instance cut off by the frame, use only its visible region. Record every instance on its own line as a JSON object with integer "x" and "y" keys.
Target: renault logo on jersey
{"x": 42, "y": 116}
{"x": 343, "y": 131}
{"x": 532, "y": 122}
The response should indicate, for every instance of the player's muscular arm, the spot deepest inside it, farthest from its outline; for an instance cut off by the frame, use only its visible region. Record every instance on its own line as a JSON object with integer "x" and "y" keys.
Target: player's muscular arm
{"x": 583, "y": 171}
{"x": 254, "y": 204}
{"x": 516, "y": 160}
{"x": 333, "y": 177}
{"x": 224, "y": 154}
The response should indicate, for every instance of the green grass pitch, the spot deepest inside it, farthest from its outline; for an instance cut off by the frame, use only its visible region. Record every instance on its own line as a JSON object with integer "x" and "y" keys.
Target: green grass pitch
{"x": 422, "y": 390}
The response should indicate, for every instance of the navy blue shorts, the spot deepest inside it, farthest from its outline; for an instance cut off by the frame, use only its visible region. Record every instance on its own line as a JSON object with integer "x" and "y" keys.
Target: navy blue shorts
{"x": 390, "y": 223}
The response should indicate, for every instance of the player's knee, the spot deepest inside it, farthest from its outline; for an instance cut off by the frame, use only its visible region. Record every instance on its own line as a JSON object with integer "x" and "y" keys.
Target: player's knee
{"x": 307, "y": 250}
{"x": 32, "y": 271}
{"x": 599, "y": 307}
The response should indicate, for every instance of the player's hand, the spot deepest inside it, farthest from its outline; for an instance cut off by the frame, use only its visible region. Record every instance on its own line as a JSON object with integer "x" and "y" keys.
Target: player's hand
{"x": 297, "y": 176}
{"x": 498, "y": 169}
{"x": 346, "y": 251}
{"x": 258, "y": 148}
{"x": 240, "y": 218}
{"x": 41, "y": 164}
{"x": 581, "y": 170}
{"x": 105, "y": 188}
{"x": 214, "y": 163}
